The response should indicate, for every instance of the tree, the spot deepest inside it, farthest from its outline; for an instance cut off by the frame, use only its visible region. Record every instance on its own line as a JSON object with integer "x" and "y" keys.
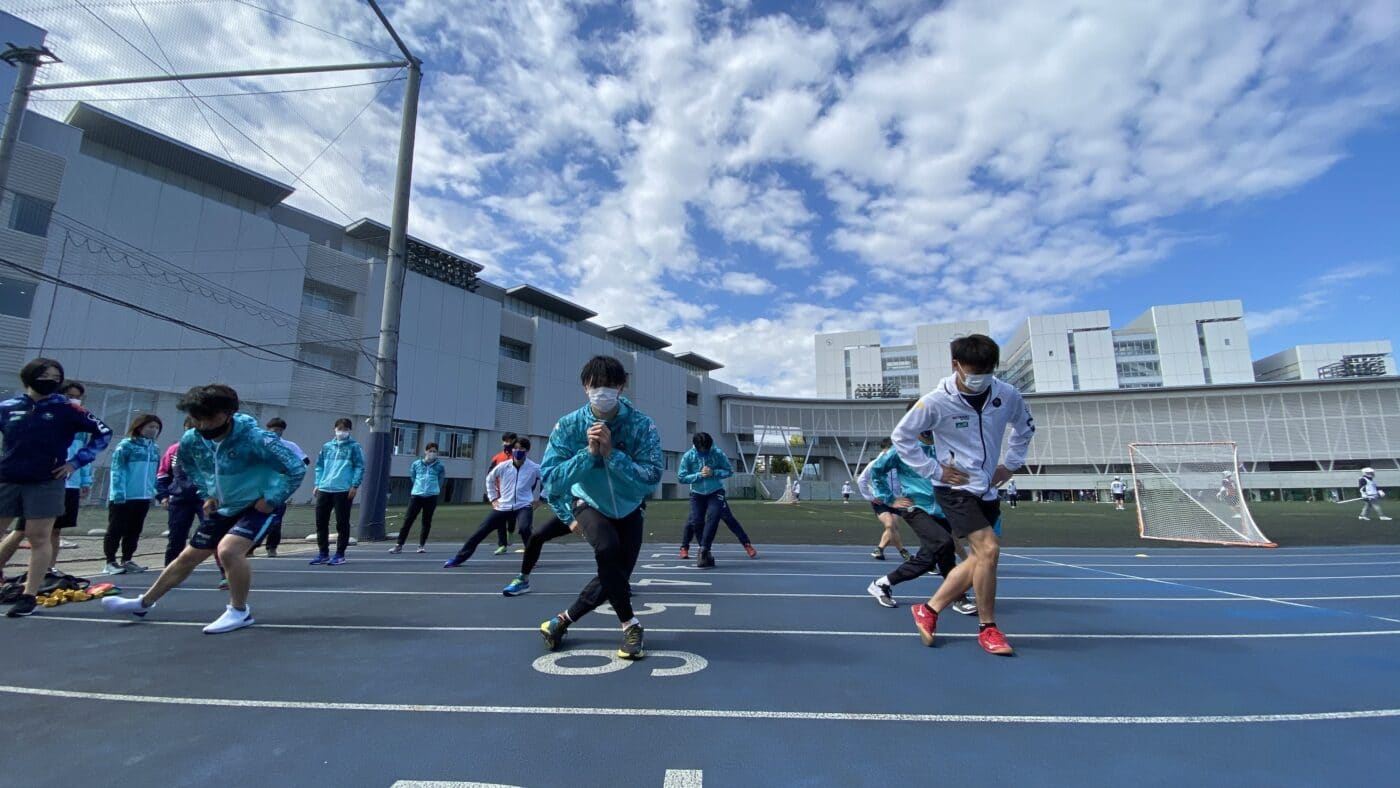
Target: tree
{"x": 779, "y": 466}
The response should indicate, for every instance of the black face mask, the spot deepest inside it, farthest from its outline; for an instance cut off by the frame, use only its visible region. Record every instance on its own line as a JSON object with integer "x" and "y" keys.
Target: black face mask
{"x": 215, "y": 433}
{"x": 45, "y": 387}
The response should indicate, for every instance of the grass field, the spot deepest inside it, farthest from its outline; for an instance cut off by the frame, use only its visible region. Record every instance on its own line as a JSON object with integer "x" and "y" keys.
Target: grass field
{"x": 830, "y": 522}
{"x": 1029, "y": 525}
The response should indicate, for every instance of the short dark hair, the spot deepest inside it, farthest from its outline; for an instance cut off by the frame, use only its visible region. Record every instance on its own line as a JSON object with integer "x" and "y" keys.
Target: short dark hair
{"x": 189, "y": 422}
{"x": 201, "y": 402}
{"x": 508, "y": 437}
{"x": 139, "y": 423}
{"x": 29, "y": 374}
{"x": 432, "y": 446}
{"x": 885, "y": 443}
{"x": 344, "y": 422}
{"x": 522, "y": 443}
{"x": 702, "y": 441}
{"x": 603, "y": 371}
{"x": 277, "y": 423}
{"x": 73, "y": 384}
{"x": 978, "y": 351}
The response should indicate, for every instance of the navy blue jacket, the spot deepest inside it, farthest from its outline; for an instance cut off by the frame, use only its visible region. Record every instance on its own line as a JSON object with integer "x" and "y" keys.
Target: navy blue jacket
{"x": 37, "y": 436}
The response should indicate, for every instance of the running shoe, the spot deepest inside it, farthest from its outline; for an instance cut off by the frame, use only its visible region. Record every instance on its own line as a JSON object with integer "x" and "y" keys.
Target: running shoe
{"x": 422, "y": 549}
{"x": 927, "y": 622}
{"x": 904, "y": 554}
{"x": 230, "y": 620}
{"x": 336, "y": 561}
{"x": 1363, "y": 517}
{"x": 685, "y": 553}
{"x": 132, "y": 567}
{"x": 705, "y": 561}
{"x": 748, "y": 548}
{"x": 993, "y": 642}
{"x": 113, "y": 568}
{"x": 882, "y": 593}
{"x": 451, "y": 563}
{"x": 631, "y": 647}
{"x": 877, "y": 554}
{"x": 121, "y": 604}
{"x": 320, "y": 559}
{"x": 24, "y": 606}
{"x": 223, "y": 584}
{"x": 271, "y": 552}
{"x": 396, "y": 549}
{"x": 502, "y": 550}
{"x": 553, "y": 632}
{"x": 516, "y": 587}
{"x": 1386, "y": 519}
{"x": 64, "y": 544}
{"x": 964, "y": 606}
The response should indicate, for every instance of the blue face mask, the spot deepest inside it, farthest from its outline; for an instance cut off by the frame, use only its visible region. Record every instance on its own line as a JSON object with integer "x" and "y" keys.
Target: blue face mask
{"x": 519, "y": 454}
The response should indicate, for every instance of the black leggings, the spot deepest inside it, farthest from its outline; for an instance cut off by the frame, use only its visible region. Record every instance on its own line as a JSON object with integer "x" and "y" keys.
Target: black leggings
{"x": 616, "y": 545}
{"x": 426, "y": 504}
{"x": 124, "y": 523}
{"x": 495, "y": 521}
{"x": 325, "y": 502}
{"x": 935, "y": 548}
{"x": 180, "y": 517}
{"x": 552, "y": 529}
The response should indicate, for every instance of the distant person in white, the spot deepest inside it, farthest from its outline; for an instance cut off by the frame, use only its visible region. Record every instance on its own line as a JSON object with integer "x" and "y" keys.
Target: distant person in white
{"x": 1012, "y": 494}
{"x": 1371, "y": 494}
{"x": 846, "y": 491}
{"x": 797, "y": 491}
{"x": 1120, "y": 492}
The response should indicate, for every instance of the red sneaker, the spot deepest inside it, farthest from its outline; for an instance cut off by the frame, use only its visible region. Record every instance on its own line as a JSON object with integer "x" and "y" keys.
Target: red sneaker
{"x": 685, "y": 553}
{"x": 927, "y": 622}
{"x": 993, "y": 642}
{"x": 748, "y": 548}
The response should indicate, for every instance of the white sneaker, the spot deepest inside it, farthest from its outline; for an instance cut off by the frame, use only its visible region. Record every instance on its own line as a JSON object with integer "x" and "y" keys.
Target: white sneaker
{"x": 396, "y": 549}
{"x": 882, "y": 594}
{"x": 230, "y": 620}
{"x": 1363, "y": 517}
{"x": 121, "y": 604}
{"x": 422, "y": 550}
{"x": 64, "y": 544}
{"x": 113, "y": 569}
{"x": 1387, "y": 518}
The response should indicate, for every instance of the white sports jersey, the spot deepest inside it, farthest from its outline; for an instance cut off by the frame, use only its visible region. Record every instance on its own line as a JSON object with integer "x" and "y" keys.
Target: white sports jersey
{"x": 845, "y": 488}
{"x": 1369, "y": 490}
{"x": 1118, "y": 487}
{"x": 511, "y": 488}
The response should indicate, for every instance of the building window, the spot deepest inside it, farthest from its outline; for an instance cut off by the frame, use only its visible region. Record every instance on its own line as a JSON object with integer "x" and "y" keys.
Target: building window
{"x": 512, "y": 349}
{"x": 406, "y": 436}
{"x": 692, "y": 398}
{"x": 673, "y": 460}
{"x": 31, "y": 215}
{"x": 513, "y": 395}
{"x": 335, "y": 359}
{"x": 16, "y": 296}
{"x": 328, "y": 298}
{"x": 454, "y": 442}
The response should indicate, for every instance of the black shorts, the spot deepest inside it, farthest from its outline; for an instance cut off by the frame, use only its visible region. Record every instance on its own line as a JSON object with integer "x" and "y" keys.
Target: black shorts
{"x": 967, "y": 513}
{"x": 883, "y": 509}
{"x": 250, "y": 524}
{"x": 1119, "y": 497}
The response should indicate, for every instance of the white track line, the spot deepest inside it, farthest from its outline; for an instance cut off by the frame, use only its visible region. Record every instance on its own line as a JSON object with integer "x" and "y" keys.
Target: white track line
{"x": 129, "y": 621}
{"x": 1195, "y": 587}
{"x": 732, "y": 714}
{"x": 658, "y": 590}
{"x": 471, "y": 570}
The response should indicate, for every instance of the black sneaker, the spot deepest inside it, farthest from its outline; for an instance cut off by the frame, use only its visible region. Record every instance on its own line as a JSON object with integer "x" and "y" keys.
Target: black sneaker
{"x": 631, "y": 647}
{"x": 705, "y": 561}
{"x": 25, "y": 607}
{"x": 553, "y": 633}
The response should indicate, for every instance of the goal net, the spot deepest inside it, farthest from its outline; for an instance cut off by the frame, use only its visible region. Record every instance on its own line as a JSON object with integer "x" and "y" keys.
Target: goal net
{"x": 1192, "y": 492}
{"x": 787, "y": 497}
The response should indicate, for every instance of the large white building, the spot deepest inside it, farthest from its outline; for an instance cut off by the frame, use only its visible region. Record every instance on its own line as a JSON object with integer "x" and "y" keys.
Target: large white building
{"x": 1328, "y": 361}
{"x": 854, "y": 365}
{"x": 159, "y": 239}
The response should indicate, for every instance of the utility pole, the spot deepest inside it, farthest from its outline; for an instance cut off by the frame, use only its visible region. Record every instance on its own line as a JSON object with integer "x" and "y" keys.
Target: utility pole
{"x": 26, "y": 61}
{"x": 374, "y": 498}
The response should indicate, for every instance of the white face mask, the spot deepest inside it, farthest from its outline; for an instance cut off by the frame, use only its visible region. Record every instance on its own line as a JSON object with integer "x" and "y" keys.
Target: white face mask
{"x": 977, "y": 383}
{"x": 430, "y": 457}
{"x": 75, "y": 401}
{"x": 603, "y": 400}
{"x": 342, "y": 434}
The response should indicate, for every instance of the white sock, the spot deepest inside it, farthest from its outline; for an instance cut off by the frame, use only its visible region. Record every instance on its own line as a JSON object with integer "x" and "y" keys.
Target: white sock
{"x": 630, "y": 623}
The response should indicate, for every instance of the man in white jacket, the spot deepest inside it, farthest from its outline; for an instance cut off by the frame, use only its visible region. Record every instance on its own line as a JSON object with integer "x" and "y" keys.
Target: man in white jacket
{"x": 968, "y": 414}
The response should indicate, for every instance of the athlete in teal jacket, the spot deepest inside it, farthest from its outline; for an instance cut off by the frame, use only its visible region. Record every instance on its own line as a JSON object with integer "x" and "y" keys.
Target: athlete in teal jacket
{"x": 248, "y": 464}
{"x": 615, "y": 486}
{"x": 691, "y": 463}
{"x": 915, "y": 487}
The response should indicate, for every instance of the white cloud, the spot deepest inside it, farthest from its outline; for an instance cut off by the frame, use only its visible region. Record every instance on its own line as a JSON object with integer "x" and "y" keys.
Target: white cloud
{"x": 954, "y": 160}
{"x": 745, "y": 283}
{"x": 1314, "y": 299}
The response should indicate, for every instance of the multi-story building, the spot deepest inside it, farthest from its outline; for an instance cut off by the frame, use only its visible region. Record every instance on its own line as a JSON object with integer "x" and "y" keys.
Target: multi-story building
{"x": 1328, "y": 361}
{"x": 180, "y": 268}
{"x": 854, "y": 365}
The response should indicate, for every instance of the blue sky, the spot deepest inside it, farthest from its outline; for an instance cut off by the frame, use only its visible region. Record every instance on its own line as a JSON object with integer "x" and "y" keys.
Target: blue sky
{"x": 735, "y": 176}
